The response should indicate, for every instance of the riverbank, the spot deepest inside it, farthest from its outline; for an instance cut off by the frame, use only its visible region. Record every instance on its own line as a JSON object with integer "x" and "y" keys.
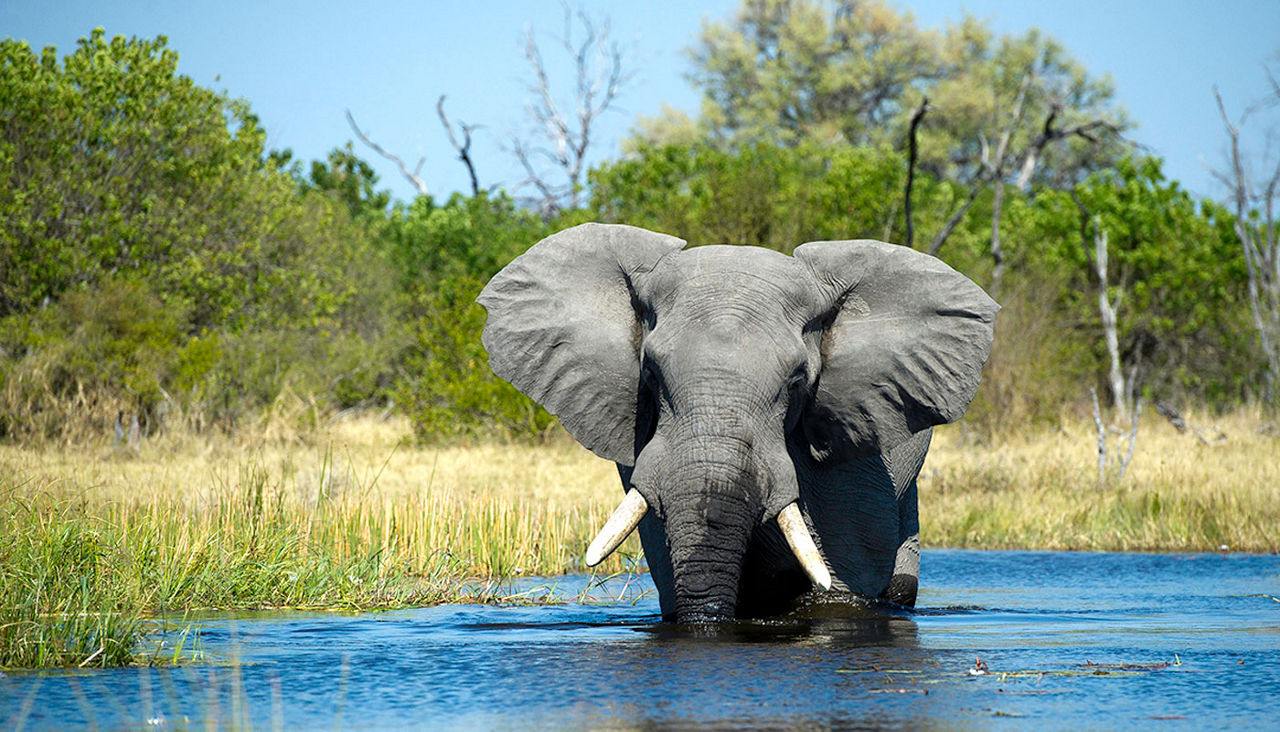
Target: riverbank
{"x": 353, "y": 517}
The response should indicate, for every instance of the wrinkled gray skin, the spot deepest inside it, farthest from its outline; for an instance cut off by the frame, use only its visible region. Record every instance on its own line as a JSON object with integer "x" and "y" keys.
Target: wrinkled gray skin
{"x": 728, "y": 382}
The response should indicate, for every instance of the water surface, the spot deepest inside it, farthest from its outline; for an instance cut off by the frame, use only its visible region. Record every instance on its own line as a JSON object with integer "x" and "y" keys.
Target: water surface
{"x": 1068, "y": 641}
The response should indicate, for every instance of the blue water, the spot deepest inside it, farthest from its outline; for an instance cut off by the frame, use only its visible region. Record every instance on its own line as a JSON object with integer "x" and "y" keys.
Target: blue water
{"x": 1069, "y": 641}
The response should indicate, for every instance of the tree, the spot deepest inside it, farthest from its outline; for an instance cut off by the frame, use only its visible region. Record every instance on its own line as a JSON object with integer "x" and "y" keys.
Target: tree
{"x": 1002, "y": 110}
{"x": 1184, "y": 280}
{"x": 149, "y": 244}
{"x": 554, "y": 153}
{"x": 351, "y": 180}
{"x": 787, "y": 71}
{"x": 1253, "y": 201}
{"x": 760, "y": 194}
{"x": 1010, "y": 109}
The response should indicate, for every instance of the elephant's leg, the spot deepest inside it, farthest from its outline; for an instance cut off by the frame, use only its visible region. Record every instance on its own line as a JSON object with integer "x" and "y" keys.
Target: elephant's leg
{"x": 904, "y": 585}
{"x": 905, "y": 462}
{"x": 653, "y": 538}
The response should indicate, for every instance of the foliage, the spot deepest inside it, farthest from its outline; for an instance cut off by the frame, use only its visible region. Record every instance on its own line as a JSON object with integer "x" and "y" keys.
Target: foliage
{"x": 158, "y": 263}
{"x": 784, "y": 72}
{"x": 836, "y": 72}
{"x": 447, "y": 389}
{"x": 760, "y": 195}
{"x": 444, "y": 255}
{"x": 1183, "y": 317}
{"x": 351, "y": 180}
{"x": 144, "y": 232}
{"x": 466, "y": 236}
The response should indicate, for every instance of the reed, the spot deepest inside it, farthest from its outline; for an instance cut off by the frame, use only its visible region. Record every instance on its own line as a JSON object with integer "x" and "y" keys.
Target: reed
{"x": 95, "y": 539}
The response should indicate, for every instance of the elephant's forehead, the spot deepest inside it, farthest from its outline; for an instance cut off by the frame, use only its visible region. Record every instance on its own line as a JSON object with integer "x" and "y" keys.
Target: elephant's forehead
{"x": 738, "y": 269}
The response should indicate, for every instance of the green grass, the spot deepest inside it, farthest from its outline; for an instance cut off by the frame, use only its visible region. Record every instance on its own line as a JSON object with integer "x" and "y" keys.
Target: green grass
{"x": 83, "y": 565}
{"x": 97, "y": 542}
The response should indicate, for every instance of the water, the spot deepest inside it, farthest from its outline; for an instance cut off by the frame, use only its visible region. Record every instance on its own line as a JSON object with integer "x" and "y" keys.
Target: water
{"x": 1070, "y": 641}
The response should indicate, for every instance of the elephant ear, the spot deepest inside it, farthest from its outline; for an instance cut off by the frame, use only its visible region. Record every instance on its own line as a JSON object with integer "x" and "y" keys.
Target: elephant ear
{"x": 563, "y": 328}
{"x": 905, "y": 340}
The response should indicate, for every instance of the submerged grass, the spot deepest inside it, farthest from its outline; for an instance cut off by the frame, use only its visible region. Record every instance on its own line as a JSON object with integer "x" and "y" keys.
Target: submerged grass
{"x": 96, "y": 539}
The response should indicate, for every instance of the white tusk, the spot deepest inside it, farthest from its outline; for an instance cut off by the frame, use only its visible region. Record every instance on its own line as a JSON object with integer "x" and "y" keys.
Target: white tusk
{"x": 801, "y": 543}
{"x": 619, "y": 526}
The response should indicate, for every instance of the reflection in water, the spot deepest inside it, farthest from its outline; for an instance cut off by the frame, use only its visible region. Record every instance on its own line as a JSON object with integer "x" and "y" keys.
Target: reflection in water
{"x": 1071, "y": 640}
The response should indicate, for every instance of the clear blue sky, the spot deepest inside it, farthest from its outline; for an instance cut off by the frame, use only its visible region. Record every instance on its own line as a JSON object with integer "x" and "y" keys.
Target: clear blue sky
{"x": 301, "y": 64}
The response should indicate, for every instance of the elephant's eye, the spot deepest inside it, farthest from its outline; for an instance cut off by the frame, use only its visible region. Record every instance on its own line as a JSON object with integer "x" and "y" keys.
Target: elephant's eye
{"x": 649, "y": 372}
{"x": 799, "y": 379}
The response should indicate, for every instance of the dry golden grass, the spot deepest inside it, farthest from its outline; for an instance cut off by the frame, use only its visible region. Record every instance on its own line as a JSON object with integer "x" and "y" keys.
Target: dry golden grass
{"x": 94, "y": 538}
{"x": 496, "y": 508}
{"x": 516, "y": 508}
{"x": 1041, "y": 490}
{"x": 502, "y": 508}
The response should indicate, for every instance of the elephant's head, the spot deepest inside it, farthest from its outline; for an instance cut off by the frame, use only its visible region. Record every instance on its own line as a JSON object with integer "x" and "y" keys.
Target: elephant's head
{"x": 706, "y": 372}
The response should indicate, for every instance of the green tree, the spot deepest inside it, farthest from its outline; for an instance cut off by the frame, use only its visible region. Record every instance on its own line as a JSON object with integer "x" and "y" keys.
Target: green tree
{"x": 127, "y": 191}
{"x": 443, "y": 255}
{"x": 1002, "y": 110}
{"x": 1175, "y": 266}
{"x": 788, "y": 71}
{"x": 352, "y": 180}
{"x": 760, "y": 194}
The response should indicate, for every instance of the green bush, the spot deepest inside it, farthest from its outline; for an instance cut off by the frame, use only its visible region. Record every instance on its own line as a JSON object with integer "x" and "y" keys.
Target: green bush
{"x": 447, "y": 388}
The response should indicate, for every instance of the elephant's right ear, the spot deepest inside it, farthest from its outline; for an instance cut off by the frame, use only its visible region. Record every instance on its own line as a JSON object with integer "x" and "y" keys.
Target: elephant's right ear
{"x": 905, "y": 343}
{"x": 564, "y": 329}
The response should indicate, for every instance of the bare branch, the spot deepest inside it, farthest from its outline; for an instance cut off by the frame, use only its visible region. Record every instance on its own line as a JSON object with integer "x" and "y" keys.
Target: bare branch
{"x": 912, "y": 152}
{"x": 941, "y": 237}
{"x": 598, "y": 77}
{"x": 1259, "y": 239}
{"x": 413, "y": 176}
{"x": 464, "y": 149}
{"x": 1049, "y": 133}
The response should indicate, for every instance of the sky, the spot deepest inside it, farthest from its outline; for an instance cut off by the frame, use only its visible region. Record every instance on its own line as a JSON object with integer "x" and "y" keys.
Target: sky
{"x": 301, "y": 65}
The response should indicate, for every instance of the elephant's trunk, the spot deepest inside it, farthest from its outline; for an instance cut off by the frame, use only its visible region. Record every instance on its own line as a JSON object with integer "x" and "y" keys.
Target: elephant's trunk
{"x": 710, "y": 507}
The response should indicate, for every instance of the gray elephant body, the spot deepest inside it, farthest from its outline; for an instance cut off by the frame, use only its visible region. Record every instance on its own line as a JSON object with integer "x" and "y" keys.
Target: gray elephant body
{"x": 863, "y": 515}
{"x": 729, "y": 383}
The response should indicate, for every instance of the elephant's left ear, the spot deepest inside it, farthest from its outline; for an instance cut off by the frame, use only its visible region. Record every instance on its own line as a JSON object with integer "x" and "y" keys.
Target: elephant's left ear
{"x": 905, "y": 340}
{"x": 564, "y": 328}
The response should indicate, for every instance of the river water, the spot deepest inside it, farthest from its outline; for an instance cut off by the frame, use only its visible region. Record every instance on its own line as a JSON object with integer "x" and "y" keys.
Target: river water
{"x": 1017, "y": 640}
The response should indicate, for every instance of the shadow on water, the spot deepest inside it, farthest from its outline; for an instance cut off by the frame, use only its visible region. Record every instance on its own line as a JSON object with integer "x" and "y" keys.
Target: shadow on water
{"x": 1035, "y": 640}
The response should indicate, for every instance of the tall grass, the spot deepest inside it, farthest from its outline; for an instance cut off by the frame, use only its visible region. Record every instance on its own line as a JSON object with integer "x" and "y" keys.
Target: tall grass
{"x": 1040, "y": 490}
{"x": 94, "y": 539}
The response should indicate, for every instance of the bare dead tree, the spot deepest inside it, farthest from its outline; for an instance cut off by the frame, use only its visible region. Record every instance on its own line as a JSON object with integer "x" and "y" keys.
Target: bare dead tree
{"x": 913, "y": 150}
{"x": 991, "y": 169}
{"x": 464, "y": 148}
{"x": 1109, "y": 457}
{"x": 562, "y": 137}
{"x": 1107, "y": 309}
{"x": 1050, "y": 133}
{"x": 995, "y": 163}
{"x": 413, "y": 176}
{"x": 1254, "y": 201}
{"x": 997, "y": 169}
{"x": 1126, "y": 397}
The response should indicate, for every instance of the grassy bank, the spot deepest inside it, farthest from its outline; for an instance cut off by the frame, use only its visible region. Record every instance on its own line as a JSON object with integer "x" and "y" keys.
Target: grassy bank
{"x": 95, "y": 538}
{"x": 1182, "y": 492}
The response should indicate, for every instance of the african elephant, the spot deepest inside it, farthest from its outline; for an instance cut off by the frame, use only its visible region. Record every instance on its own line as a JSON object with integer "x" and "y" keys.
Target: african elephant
{"x": 768, "y": 413}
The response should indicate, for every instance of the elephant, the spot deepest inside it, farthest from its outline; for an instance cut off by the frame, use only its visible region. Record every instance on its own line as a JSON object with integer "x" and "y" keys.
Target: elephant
{"x": 768, "y": 413}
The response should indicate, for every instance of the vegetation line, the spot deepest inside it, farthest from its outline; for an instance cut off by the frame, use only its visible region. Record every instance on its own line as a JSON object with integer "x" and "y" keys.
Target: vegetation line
{"x": 95, "y": 540}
